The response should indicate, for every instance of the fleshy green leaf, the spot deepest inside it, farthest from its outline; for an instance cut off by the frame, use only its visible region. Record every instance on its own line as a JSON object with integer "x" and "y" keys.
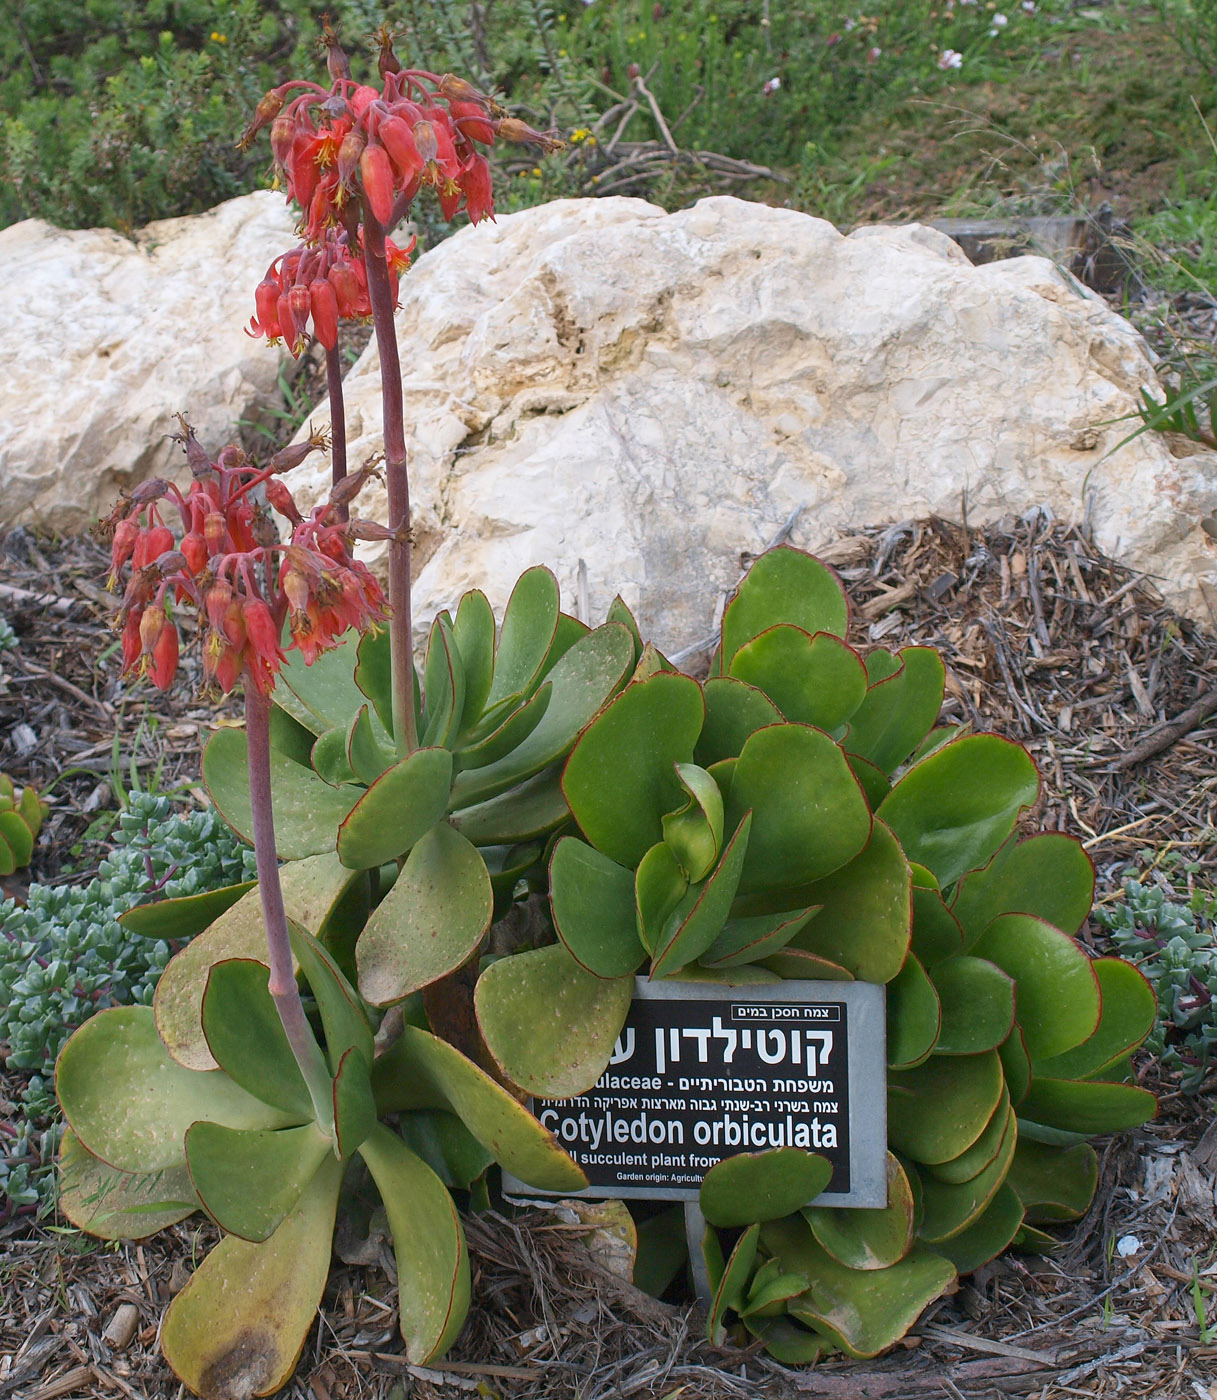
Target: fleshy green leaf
{"x": 473, "y": 632}
{"x": 401, "y": 806}
{"x": 1054, "y": 1183}
{"x": 443, "y": 687}
{"x": 734, "y": 710}
{"x": 751, "y": 939}
{"x": 784, "y": 585}
{"x": 977, "y": 1000}
{"x": 659, "y": 887}
{"x": 247, "y": 1039}
{"x": 374, "y": 675}
{"x": 533, "y": 809}
{"x": 699, "y": 918}
{"x": 620, "y": 778}
{"x": 182, "y": 918}
{"x": 354, "y": 1106}
{"x": 518, "y": 725}
{"x": 432, "y": 1261}
{"x": 115, "y": 1205}
{"x": 328, "y": 758}
{"x": 1049, "y": 875}
{"x": 976, "y": 1158}
{"x": 953, "y": 810}
{"x": 594, "y": 910}
{"x": 864, "y": 922}
{"x": 939, "y": 1109}
{"x": 754, "y": 1186}
{"x": 730, "y": 1290}
{"x": 1016, "y": 1065}
{"x": 307, "y": 810}
{"x": 343, "y": 1016}
{"x": 936, "y": 931}
{"x": 422, "y": 1070}
{"x": 323, "y": 695}
{"x": 1128, "y": 1012}
{"x": 1058, "y": 991}
{"x": 812, "y": 680}
{"x": 549, "y": 1024}
{"x": 313, "y": 892}
{"x": 900, "y": 706}
{"x": 809, "y": 816}
{"x": 367, "y": 756}
{"x": 868, "y": 1239}
{"x": 130, "y": 1104}
{"x": 430, "y": 922}
{"x": 248, "y": 1181}
{"x": 914, "y": 1016}
{"x": 1087, "y": 1106}
{"x": 239, "y": 1325}
{"x": 694, "y": 832}
{"x": 529, "y": 624}
{"x": 950, "y": 1207}
{"x": 988, "y": 1235}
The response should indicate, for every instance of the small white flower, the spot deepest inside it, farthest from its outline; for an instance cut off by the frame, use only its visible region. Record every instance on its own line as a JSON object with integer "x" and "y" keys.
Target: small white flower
{"x": 1029, "y": 6}
{"x": 872, "y": 55}
{"x": 950, "y": 58}
{"x": 1000, "y": 21}
{"x": 772, "y": 86}
{"x": 850, "y": 24}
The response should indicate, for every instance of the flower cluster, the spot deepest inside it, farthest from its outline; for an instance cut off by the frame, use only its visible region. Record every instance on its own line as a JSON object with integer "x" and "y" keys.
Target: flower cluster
{"x": 316, "y": 286}
{"x": 226, "y": 560}
{"x": 353, "y": 151}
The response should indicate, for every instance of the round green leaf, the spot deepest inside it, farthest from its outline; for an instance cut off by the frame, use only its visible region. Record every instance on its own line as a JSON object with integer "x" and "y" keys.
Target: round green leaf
{"x": 977, "y": 1000}
{"x": 1087, "y": 1106}
{"x": 784, "y": 585}
{"x": 752, "y": 939}
{"x": 115, "y": 1205}
{"x": 900, "y": 706}
{"x": 754, "y": 1186}
{"x": 868, "y": 1239}
{"x": 983, "y": 1151}
{"x": 594, "y": 910}
{"x": 533, "y": 809}
{"x": 795, "y": 965}
{"x": 939, "y": 1109}
{"x": 246, "y": 1037}
{"x": 809, "y": 816}
{"x": 529, "y": 623}
{"x": 1058, "y": 1000}
{"x": 1049, "y": 875}
{"x": 864, "y": 923}
{"x": 343, "y": 1016}
{"x": 1129, "y": 1009}
{"x": 248, "y": 1181}
{"x": 620, "y": 778}
{"x": 1054, "y": 1183}
{"x": 130, "y": 1104}
{"x": 549, "y": 1024}
{"x": 1016, "y": 1064}
{"x": 694, "y": 832}
{"x": 866, "y": 1310}
{"x": 953, "y": 810}
{"x": 313, "y": 890}
{"x": 914, "y": 1016}
{"x": 518, "y": 725}
{"x": 473, "y": 632}
{"x": 443, "y": 687}
{"x": 432, "y": 1261}
{"x": 323, "y": 695}
{"x": 182, "y": 918}
{"x": 239, "y": 1325}
{"x": 659, "y": 887}
{"x": 308, "y": 811}
{"x": 950, "y": 1207}
{"x": 733, "y": 712}
{"x": 430, "y": 922}
{"x": 936, "y": 931}
{"x": 988, "y": 1235}
{"x": 400, "y": 807}
{"x": 812, "y": 680}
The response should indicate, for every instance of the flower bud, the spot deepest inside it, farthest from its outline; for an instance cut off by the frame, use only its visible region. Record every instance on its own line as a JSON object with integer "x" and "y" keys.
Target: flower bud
{"x": 349, "y": 295}
{"x": 280, "y": 499}
{"x": 426, "y": 141}
{"x": 131, "y": 638}
{"x": 151, "y": 625}
{"x": 301, "y": 306}
{"x": 164, "y": 658}
{"x": 376, "y": 174}
{"x": 194, "y": 548}
{"x": 266, "y": 111}
{"x": 397, "y": 140}
{"x": 150, "y": 545}
{"x": 348, "y": 156}
{"x": 282, "y": 138}
{"x": 471, "y": 120}
{"x": 126, "y": 533}
{"x": 512, "y": 129}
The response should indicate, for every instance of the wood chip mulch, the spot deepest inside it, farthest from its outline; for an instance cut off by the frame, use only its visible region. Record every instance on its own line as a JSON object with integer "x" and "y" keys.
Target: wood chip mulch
{"x": 1045, "y": 641}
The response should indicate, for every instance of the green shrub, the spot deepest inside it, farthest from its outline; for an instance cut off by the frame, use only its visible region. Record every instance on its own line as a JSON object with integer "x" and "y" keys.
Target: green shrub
{"x": 1174, "y": 945}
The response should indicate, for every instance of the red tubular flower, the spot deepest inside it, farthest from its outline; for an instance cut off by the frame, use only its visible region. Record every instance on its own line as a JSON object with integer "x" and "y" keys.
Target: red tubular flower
{"x": 351, "y": 296}
{"x": 324, "y": 306}
{"x": 151, "y": 545}
{"x": 471, "y": 120}
{"x": 398, "y": 140}
{"x": 376, "y": 175}
{"x": 476, "y": 185}
{"x": 265, "y": 320}
{"x": 132, "y": 646}
{"x": 163, "y": 666}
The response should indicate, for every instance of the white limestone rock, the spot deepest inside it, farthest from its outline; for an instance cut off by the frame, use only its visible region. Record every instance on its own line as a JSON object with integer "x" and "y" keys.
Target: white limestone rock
{"x": 105, "y": 338}
{"x": 655, "y": 393}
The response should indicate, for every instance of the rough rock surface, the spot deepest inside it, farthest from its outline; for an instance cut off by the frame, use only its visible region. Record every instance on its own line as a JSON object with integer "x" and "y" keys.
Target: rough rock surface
{"x": 104, "y": 338}
{"x": 654, "y": 394}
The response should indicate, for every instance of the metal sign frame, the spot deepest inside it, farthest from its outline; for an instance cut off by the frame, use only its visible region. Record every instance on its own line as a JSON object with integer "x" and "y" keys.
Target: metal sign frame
{"x": 862, "y": 1080}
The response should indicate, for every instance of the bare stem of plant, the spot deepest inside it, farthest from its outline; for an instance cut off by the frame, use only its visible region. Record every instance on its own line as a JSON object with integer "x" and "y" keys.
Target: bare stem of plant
{"x": 380, "y": 294}
{"x": 338, "y": 420}
{"x": 282, "y": 984}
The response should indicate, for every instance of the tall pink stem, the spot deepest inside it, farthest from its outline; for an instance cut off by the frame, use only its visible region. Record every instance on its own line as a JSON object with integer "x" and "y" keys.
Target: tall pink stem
{"x": 282, "y": 985}
{"x": 380, "y": 293}
{"x": 338, "y": 420}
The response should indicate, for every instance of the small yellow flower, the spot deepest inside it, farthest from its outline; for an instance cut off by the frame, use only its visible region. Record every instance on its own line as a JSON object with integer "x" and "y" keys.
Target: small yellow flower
{"x": 218, "y": 38}
{"x": 536, "y": 170}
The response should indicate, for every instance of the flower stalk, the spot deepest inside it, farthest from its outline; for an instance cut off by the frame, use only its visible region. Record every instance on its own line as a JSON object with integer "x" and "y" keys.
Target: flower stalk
{"x": 282, "y": 983}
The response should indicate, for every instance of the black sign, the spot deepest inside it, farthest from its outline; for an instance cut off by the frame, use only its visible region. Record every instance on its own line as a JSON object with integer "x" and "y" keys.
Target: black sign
{"x": 701, "y": 1072}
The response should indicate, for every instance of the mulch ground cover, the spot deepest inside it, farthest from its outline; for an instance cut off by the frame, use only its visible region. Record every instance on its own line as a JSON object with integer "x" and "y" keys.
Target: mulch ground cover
{"x": 1045, "y": 641}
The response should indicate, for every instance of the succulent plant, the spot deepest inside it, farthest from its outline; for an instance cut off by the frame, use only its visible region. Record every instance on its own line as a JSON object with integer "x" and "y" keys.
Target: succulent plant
{"x": 21, "y": 818}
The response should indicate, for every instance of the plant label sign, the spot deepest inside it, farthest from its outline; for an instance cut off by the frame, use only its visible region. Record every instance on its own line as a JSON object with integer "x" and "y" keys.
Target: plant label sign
{"x": 701, "y": 1072}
